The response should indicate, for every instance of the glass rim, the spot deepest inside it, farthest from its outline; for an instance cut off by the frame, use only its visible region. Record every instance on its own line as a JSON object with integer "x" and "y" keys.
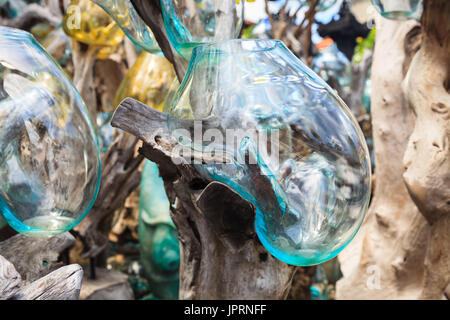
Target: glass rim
{"x": 219, "y": 47}
{"x": 5, "y": 30}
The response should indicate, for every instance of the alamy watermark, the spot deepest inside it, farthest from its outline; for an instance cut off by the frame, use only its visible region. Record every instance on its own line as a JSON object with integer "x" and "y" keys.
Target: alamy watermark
{"x": 197, "y": 145}
{"x": 73, "y": 14}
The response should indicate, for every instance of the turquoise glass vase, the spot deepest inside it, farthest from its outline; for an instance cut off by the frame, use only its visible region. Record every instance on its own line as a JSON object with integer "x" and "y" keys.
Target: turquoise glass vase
{"x": 126, "y": 16}
{"x": 50, "y": 161}
{"x": 399, "y": 9}
{"x": 160, "y": 253}
{"x": 275, "y": 132}
{"x": 192, "y": 23}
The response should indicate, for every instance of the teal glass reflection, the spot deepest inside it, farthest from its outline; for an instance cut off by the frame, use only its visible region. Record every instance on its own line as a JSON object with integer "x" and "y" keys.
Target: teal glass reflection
{"x": 275, "y": 132}
{"x": 399, "y": 9}
{"x": 12, "y": 8}
{"x": 126, "y": 16}
{"x": 50, "y": 161}
{"x": 192, "y": 23}
{"x": 160, "y": 253}
{"x": 319, "y": 287}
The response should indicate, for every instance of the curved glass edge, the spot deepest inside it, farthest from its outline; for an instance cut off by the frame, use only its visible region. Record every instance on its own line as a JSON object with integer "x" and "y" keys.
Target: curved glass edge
{"x": 151, "y": 48}
{"x": 185, "y": 50}
{"x": 10, "y": 218}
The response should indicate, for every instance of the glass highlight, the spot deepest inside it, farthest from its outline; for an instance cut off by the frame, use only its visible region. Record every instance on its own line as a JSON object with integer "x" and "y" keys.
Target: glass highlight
{"x": 50, "y": 161}
{"x": 126, "y": 16}
{"x": 309, "y": 180}
{"x": 192, "y": 23}
{"x": 399, "y": 9}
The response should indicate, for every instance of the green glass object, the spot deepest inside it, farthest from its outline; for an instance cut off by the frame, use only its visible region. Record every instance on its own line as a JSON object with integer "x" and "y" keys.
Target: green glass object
{"x": 160, "y": 254}
{"x": 126, "y": 16}
{"x": 192, "y": 23}
{"x": 50, "y": 161}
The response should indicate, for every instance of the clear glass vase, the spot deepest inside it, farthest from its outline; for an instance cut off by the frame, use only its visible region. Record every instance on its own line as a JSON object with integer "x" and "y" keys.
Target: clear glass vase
{"x": 399, "y": 9}
{"x": 190, "y": 23}
{"x": 50, "y": 161}
{"x": 126, "y": 16}
{"x": 274, "y": 131}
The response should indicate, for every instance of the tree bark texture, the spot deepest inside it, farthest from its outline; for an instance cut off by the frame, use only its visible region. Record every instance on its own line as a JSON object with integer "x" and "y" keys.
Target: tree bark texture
{"x": 427, "y": 158}
{"x": 385, "y": 259}
{"x": 403, "y": 248}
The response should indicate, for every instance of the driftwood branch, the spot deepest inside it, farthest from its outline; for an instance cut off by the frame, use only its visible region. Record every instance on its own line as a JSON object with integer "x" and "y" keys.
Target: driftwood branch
{"x": 427, "y": 157}
{"x": 221, "y": 256}
{"x": 120, "y": 176}
{"x": 83, "y": 57}
{"x": 61, "y": 284}
{"x": 27, "y": 269}
{"x": 31, "y": 15}
{"x": 35, "y": 257}
{"x": 150, "y": 12}
{"x": 10, "y": 280}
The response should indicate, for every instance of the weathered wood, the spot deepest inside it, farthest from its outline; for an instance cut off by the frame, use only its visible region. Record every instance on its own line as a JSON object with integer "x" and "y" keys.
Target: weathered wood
{"x": 297, "y": 37}
{"x": 221, "y": 256}
{"x": 61, "y": 284}
{"x": 83, "y": 57}
{"x": 403, "y": 249}
{"x": 35, "y": 257}
{"x": 427, "y": 157}
{"x": 108, "y": 76}
{"x": 32, "y": 14}
{"x": 108, "y": 285}
{"x": 119, "y": 178}
{"x": 10, "y": 280}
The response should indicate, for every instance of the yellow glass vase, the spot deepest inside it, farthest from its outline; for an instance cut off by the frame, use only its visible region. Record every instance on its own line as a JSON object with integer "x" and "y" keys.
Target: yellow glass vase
{"x": 149, "y": 81}
{"x": 90, "y": 24}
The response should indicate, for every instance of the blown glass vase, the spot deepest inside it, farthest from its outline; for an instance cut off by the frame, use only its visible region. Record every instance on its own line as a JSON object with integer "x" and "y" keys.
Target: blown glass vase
{"x": 126, "y": 16}
{"x": 399, "y": 9}
{"x": 49, "y": 160}
{"x": 275, "y": 132}
{"x": 192, "y": 23}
